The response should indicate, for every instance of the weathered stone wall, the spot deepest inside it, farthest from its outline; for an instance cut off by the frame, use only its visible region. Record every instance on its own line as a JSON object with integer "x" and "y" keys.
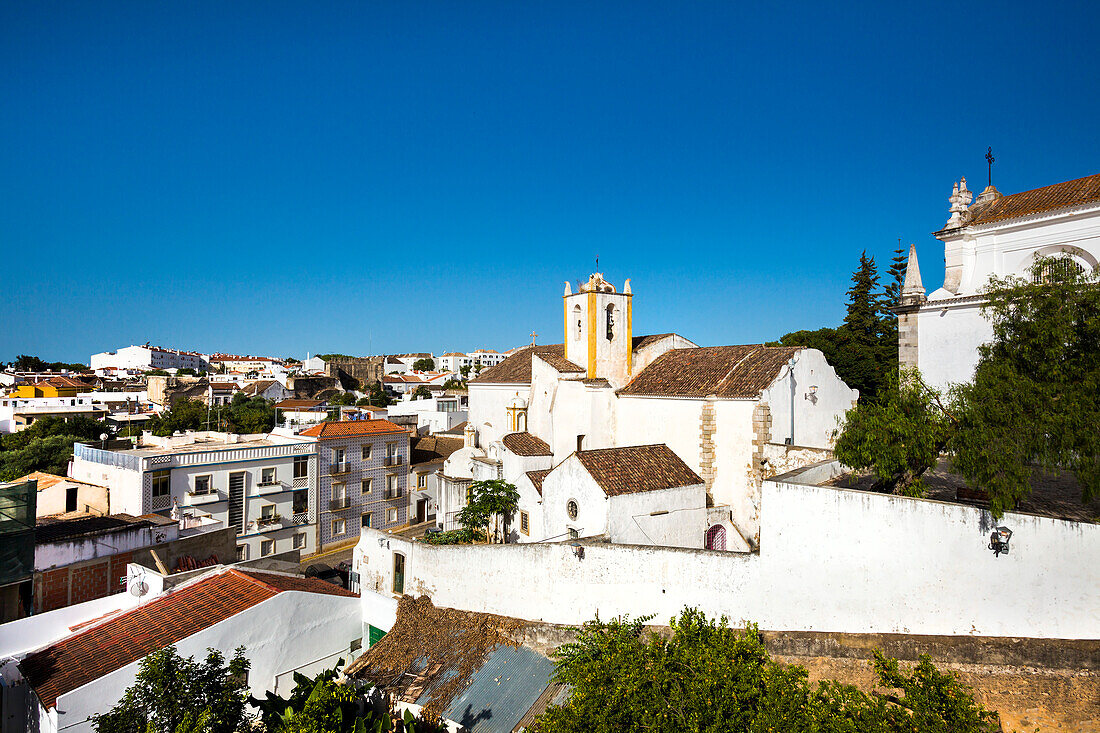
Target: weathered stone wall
{"x": 366, "y": 369}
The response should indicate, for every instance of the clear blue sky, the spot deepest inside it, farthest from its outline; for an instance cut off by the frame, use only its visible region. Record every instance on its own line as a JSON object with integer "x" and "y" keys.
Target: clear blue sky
{"x": 282, "y": 178}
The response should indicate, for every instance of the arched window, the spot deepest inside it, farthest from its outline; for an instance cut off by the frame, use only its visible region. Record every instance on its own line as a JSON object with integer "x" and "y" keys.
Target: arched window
{"x": 577, "y": 317}
{"x": 610, "y": 321}
{"x": 715, "y": 538}
{"x": 1056, "y": 269}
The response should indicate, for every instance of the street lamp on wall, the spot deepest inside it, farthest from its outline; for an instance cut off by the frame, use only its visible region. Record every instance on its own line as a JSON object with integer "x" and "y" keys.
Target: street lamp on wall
{"x": 998, "y": 541}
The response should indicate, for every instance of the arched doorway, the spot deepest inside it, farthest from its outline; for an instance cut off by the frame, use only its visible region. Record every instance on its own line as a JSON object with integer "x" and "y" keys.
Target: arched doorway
{"x": 715, "y": 538}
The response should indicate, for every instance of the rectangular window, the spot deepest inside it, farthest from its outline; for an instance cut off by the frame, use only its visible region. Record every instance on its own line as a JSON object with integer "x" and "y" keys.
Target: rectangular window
{"x": 366, "y": 452}
{"x": 242, "y": 553}
{"x": 391, "y": 516}
{"x": 162, "y": 483}
{"x": 300, "y": 541}
{"x": 421, "y": 480}
{"x": 301, "y": 466}
{"x": 301, "y": 502}
{"x": 267, "y": 476}
{"x": 338, "y": 465}
{"x": 392, "y": 490}
{"x": 267, "y": 511}
{"x": 204, "y": 484}
{"x": 267, "y": 547}
{"x": 339, "y": 526}
{"x": 366, "y": 485}
{"x": 365, "y": 520}
{"x": 338, "y": 490}
{"x": 525, "y": 523}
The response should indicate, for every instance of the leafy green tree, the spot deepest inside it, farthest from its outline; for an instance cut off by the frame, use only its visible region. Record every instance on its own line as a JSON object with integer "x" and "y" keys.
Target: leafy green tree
{"x": 173, "y": 694}
{"x": 424, "y": 365}
{"x": 27, "y": 363}
{"x": 250, "y": 415}
{"x": 1034, "y": 402}
{"x": 184, "y": 415}
{"x": 491, "y": 503}
{"x": 422, "y": 393}
{"x": 185, "y": 372}
{"x": 899, "y": 436}
{"x": 377, "y": 396}
{"x": 478, "y": 366}
{"x": 47, "y": 445}
{"x": 156, "y": 373}
{"x": 708, "y": 677}
{"x": 342, "y": 399}
{"x": 464, "y": 371}
{"x": 453, "y": 383}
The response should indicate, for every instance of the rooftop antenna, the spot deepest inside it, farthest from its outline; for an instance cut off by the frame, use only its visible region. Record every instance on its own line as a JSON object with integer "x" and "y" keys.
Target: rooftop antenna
{"x": 989, "y": 159}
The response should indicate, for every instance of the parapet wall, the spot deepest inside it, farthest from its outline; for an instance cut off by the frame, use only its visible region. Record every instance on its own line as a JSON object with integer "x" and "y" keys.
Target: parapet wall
{"x": 833, "y": 560}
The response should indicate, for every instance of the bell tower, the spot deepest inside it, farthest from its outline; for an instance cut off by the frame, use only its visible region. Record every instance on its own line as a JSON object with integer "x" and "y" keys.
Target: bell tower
{"x": 598, "y": 329}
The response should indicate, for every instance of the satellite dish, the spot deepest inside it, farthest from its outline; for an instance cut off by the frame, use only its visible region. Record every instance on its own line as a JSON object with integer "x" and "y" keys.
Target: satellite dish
{"x": 136, "y": 585}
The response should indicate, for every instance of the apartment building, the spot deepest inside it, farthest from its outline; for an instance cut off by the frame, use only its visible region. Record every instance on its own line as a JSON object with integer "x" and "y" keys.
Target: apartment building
{"x": 363, "y": 472}
{"x": 263, "y": 485}
{"x": 146, "y": 357}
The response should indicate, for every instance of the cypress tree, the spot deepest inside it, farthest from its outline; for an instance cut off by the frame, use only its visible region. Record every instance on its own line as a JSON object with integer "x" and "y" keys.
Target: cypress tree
{"x": 862, "y": 330}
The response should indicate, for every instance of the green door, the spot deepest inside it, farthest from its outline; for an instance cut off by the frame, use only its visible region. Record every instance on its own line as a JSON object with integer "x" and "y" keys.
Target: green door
{"x": 398, "y": 573}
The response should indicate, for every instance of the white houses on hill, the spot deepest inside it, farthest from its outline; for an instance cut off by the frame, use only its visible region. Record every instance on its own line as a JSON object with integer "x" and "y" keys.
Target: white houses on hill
{"x": 996, "y": 236}
{"x": 731, "y": 414}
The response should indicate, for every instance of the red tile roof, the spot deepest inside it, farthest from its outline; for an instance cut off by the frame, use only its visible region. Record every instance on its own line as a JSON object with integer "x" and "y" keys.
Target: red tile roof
{"x": 1068, "y": 193}
{"x": 537, "y": 477}
{"x": 723, "y": 371}
{"x": 299, "y": 404}
{"x": 636, "y": 468}
{"x": 351, "y": 428}
{"x": 516, "y": 369}
{"x": 526, "y": 444}
{"x": 94, "y": 652}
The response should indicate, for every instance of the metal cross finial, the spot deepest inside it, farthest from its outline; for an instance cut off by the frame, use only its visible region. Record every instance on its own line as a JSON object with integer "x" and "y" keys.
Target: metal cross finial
{"x": 597, "y": 263}
{"x": 533, "y": 337}
{"x": 989, "y": 159}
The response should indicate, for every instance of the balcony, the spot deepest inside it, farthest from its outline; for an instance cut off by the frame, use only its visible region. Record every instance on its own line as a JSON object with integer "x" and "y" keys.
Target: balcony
{"x": 300, "y": 482}
{"x": 394, "y": 460}
{"x": 337, "y": 504}
{"x": 269, "y": 520}
{"x": 300, "y": 518}
{"x": 160, "y": 503}
{"x": 270, "y": 487}
{"x": 197, "y": 499}
{"x": 393, "y": 494}
{"x": 335, "y": 469}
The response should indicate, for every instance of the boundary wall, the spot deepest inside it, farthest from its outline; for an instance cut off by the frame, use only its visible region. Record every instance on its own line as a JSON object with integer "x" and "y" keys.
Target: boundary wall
{"x": 835, "y": 560}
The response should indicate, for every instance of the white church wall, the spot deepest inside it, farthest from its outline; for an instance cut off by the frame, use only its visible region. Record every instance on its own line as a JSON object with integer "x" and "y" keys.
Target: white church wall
{"x": 530, "y": 501}
{"x": 669, "y": 518}
{"x": 830, "y": 560}
{"x": 488, "y": 409}
{"x": 570, "y": 481}
{"x": 645, "y": 356}
{"x": 948, "y": 340}
{"x": 582, "y": 410}
{"x": 807, "y": 407}
{"x": 733, "y": 449}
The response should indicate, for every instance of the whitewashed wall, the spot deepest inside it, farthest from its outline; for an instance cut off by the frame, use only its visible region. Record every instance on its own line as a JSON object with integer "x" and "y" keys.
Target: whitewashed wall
{"x": 668, "y": 518}
{"x": 88, "y": 498}
{"x": 947, "y": 342}
{"x": 286, "y": 632}
{"x": 571, "y": 482}
{"x": 830, "y": 560}
{"x": 805, "y": 407}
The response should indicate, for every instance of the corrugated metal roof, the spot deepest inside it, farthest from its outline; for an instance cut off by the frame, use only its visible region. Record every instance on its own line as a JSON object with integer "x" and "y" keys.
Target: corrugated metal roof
{"x": 501, "y": 692}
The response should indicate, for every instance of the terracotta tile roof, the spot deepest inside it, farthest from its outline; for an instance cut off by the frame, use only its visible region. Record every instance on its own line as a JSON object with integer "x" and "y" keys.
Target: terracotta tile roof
{"x": 63, "y": 381}
{"x": 299, "y": 404}
{"x": 231, "y": 386}
{"x": 1068, "y": 193}
{"x": 526, "y": 444}
{"x": 45, "y": 480}
{"x": 516, "y": 369}
{"x": 432, "y": 448}
{"x": 94, "y": 652}
{"x": 724, "y": 371}
{"x": 350, "y": 428}
{"x": 258, "y": 387}
{"x": 637, "y": 468}
{"x": 537, "y": 477}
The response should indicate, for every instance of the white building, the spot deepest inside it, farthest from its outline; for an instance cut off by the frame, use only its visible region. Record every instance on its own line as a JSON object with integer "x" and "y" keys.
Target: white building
{"x": 285, "y": 624}
{"x": 148, "y": 357}
{"x": 453, "y": 361}
{"x": 264, "y": 485}
{"x": 260, "y": 365}
{"x": 17, "y": 413}
{"x": 733, "y": 414}
{"x": 433, "y": 414}
{"x": 996, "y": 236}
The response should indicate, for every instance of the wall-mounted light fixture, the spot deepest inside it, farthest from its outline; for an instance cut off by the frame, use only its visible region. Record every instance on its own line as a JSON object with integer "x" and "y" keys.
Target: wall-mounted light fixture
{"x": 998, "y": 541}
{"x": 578, "y": 551}
{"x": 812, "y": 394}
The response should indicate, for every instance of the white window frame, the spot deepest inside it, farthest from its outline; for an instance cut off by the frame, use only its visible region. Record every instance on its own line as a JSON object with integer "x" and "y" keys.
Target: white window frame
{"x": 339, "y": 490}
{"x": 342, "y": 524}
{"x": 267, "y": 476}
{"x": 391, "y": 512}
{"x": 209, "y": 479}
{"x": 366, "y": 452}
{"x": 267, "y": 511}
{"x": 267, "y": 547}
{"x": 421, "y": 480}
{"x": 165, "y": 474}
{"x": 300, "y": 541}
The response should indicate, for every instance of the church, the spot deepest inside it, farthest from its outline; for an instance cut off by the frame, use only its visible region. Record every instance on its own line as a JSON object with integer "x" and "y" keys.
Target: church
{"x": 642, "y": 439}
{"x": 992, "y": 235}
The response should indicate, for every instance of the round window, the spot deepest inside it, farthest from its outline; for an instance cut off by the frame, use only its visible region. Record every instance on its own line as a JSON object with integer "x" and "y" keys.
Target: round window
{"x": 571, "y": 509}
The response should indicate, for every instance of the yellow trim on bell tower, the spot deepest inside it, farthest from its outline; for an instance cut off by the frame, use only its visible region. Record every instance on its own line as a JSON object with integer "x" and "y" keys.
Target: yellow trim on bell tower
{"x": 592, "y": 334}
{"x": 629, "y": 336}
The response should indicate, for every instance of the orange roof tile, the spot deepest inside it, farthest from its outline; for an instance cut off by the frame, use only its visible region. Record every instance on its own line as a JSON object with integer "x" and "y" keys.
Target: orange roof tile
{"x": 351, "y": 428}
{"x": 1068, "y": 193}
{"x": 99, "y": 650}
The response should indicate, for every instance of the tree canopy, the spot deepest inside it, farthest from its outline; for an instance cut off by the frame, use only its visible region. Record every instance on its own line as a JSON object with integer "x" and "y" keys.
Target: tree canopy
{"x": 1033, "y": 403}
{"x": 708, "y": 677}
{"x": 424, "y": 365}
{"x": 47, "y": 445}
{"x": 491, "y": 504}
{"x": 244, "y": 414}
{"x": 28, "y": 363}
{"x": 173, "y": 694}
